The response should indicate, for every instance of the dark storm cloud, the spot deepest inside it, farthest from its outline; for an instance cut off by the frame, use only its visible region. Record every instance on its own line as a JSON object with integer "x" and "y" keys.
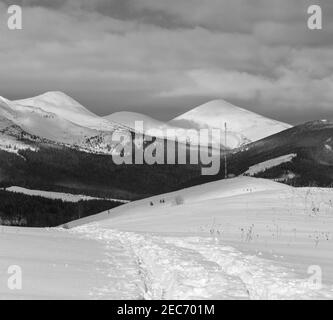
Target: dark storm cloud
{"x": 163, "y": 56}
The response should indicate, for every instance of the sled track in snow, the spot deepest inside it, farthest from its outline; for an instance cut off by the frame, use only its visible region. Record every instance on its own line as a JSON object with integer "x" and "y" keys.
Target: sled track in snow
{"x": 144, "y": 266}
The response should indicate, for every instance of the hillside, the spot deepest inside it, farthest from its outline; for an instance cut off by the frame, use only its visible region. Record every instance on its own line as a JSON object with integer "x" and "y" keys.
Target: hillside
{"x": 65, "y": 107}
{"x": 305, "y": 150}
{"x": 259, "y": 236}
{"x": 63, "y": 169}
{"x": 243, "y": 126}
{"x": 128, "y": 119}
{"x": 56, "y": 118}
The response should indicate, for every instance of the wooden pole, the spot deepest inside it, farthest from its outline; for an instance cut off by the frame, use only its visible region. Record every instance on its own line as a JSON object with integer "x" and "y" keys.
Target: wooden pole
{"x": 225, "y": 152}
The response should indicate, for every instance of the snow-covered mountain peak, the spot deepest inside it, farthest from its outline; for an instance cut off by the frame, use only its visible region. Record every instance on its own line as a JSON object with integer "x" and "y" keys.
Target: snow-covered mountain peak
{"x": 56, "y": 117}
{"x": 3, "y": 100}
{"x": 52, "y": 100}
{"x": 64, "y": 106}
{"x": 58, "y": 97}
{"x": 5, "y": 103}
{"x": 243, "y": 125}
{"x": 217, "y": 106}
{"x": 6, "y": 108}
{"x": 216, "y": 112}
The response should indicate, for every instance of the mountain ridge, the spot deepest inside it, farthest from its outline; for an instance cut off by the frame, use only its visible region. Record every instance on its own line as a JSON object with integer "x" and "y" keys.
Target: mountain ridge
{"x": 243, "y": 126}
{"x": 56, "y": 116}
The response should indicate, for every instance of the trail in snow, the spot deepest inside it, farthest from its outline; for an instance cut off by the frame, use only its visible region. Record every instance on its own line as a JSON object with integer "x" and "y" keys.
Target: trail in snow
{"x": 145, "y": 266}
{"x": 124, "y": 281}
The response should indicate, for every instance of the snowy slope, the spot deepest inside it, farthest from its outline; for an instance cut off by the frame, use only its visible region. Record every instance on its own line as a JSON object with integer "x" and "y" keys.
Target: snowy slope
{"x": 129, "y": 118}
{"x": 243, "y": 126}
{"x": 66, "y": 197}
{"x": 198, "y": 194}
{"x": 9, "y": 131}
{"x": 262, "y": 166}
{"x": 290, "y": 228}
{"x": 6, "y": 109}
{"x": 45, "y": 124}
{"x": 55, "y": 265}
{"x": 12, "y": 145}
{"x": 58, "y": 118}
{"x": 151, "y": 126}
{"x": 245, "y": 238}
{"x": 62, "y": 105}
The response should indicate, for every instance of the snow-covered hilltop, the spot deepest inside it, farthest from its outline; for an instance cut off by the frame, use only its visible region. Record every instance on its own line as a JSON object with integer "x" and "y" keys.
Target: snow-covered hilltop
{"x": 57, "y": 118}
{"x": 62, "y": 105}
{"x": 243, "y": 126}
{"x": 242, "y": 238}
{"x": 261, "y": 236}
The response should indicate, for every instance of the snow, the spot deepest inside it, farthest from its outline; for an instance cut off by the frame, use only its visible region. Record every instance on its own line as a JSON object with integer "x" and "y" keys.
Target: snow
{"x": 153, "y": 127}
{"x": 242, "y": 238}
{"x": 263, "y": 166}
{"x": 197, "y": 194}
{"x": 66, "y": 197}
{"x": 58, "y": 118}
{"x": 10, "y": 144}
{"x": 55, "y": 264}
{"x": 178, "y": 267}
{"x": 44, "y": 123}
{"x": 129, "y": 118}
{"x": 243, "y": 126}
{"x": 328, "y": 147}
{"x": 66, "y": 107}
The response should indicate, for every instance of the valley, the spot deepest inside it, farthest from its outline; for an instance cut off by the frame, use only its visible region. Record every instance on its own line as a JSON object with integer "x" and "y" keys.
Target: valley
{"x": 79, "y": 159}
{"x": 164, "y": 231}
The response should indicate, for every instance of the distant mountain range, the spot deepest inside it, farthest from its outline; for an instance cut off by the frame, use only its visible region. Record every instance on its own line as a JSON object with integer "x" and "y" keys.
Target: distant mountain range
{"x": 243, "y": 126}
{"x": 57, "y": 118}
{"x": 299, "y": 156}
{"x": 51, "y": 142}
{"x": 54, "y": 116}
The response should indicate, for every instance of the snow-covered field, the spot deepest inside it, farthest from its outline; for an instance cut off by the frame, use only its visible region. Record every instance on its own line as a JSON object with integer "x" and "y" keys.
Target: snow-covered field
{"x": 66, "y": 197}
{"x": 244, "y": 238}
{"x": 263, "y": 166}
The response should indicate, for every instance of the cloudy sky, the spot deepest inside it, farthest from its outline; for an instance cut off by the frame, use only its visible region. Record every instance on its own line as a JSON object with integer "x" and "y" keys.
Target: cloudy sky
{"x": 164, "y": 57}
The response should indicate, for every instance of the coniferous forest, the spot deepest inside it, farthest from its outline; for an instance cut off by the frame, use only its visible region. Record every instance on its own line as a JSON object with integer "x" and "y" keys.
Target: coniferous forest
{"x": 30, "y": 211}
